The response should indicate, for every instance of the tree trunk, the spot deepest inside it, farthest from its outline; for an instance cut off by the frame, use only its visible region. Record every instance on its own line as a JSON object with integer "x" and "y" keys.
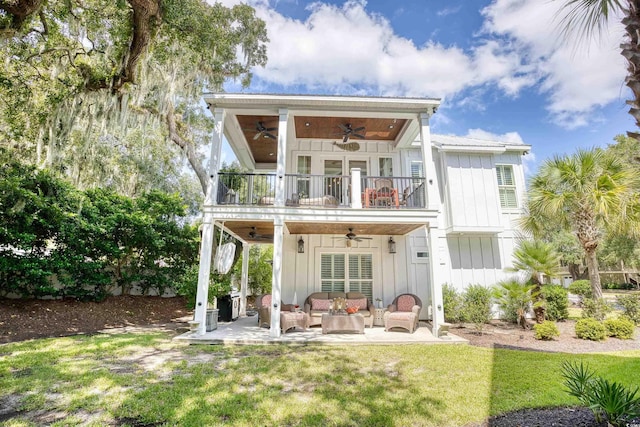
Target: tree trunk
{"x": 18, "y": 12}
{"x": 187, "y": 147}
{"x": 594, "y": 272}
{"x": 631, "y": 51}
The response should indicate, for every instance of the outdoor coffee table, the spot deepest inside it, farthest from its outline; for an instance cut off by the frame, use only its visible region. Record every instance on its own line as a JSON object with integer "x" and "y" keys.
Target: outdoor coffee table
{"x": 291, "y": 319}
{"x": 342, "y": 323}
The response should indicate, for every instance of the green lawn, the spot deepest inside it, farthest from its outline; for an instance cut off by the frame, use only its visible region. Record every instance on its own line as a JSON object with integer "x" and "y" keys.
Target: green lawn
{"x": 140, "y": 379}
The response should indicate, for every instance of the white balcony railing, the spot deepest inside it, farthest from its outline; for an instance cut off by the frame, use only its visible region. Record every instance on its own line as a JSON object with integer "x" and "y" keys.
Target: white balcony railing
{"x": 323, "y": 191}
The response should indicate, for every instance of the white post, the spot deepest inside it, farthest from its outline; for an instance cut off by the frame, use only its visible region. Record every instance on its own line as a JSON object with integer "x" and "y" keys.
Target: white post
{"x": 356, "y": 189}
{"x": 282, "y": 157}
{"x": 429, "y": 167}
{"x": 206, "y": 245}
{"x": 244, "y": 280}
{"x": 436, "y": 267}
{"x": 276, "y": 288}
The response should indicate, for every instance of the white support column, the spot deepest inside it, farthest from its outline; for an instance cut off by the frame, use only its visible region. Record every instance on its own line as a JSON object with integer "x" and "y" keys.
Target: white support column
{"x": 435, "y": 268}
{"x": 282, "y": 157}
{"x": 356, "y": 189}
{"x": 215, "y": 156}
{"x": 206, "y": 245}
{"x": 276, "y": 288}
{"x": 244, "y": 280}
{"x": 431, "y": 185}
{"x": 202, "y": 294}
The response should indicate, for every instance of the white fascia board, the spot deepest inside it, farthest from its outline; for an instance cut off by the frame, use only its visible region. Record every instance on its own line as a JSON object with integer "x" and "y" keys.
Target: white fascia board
{"x": 473, "y": 230}
{"x": 389, "y": 105}
{"x": 470, "y": 149}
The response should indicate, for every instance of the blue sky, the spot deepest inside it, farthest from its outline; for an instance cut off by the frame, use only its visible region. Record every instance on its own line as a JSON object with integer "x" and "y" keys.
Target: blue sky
{"x": 501, "y": 67}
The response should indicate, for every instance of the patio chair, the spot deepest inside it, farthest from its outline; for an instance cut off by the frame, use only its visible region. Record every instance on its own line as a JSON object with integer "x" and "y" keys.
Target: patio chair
{"x": 403, "y": 313}
{"x": 263, "y": 305}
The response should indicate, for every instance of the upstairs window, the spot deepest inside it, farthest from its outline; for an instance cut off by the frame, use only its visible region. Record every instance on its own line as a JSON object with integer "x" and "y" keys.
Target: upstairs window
{"x": 506, "y": 187}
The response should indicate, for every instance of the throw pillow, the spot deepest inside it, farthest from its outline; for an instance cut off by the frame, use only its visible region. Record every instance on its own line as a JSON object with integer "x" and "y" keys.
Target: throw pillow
{"x": 320, "y": 304}
{"x": 361, "y": 303}
{"x": 405, "y": 303}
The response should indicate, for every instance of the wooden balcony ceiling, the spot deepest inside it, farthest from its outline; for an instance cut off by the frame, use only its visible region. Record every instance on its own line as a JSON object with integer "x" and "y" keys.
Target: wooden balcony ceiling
{"x": 262, "y": 232}
{"x": 261, "y": 132}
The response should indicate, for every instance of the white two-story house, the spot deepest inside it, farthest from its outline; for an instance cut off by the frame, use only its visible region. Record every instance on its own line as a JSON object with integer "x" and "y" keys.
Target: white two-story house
{"x": 357, "y": 194}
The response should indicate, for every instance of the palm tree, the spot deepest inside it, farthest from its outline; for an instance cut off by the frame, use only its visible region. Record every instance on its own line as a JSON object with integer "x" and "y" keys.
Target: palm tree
{"x": 586, "y": 16}
{"x": 590, "y": 193}
{"x": 537, "y": 259}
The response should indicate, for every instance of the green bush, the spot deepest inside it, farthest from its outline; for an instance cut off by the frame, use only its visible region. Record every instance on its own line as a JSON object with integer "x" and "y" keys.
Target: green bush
{"x": 452, "y": 303}
{"x": 581, "y": 288}
{"x": 476, "y": 306}
{"x": 621, "y": 327}
{"x": 546, "y": 330}
{"x": 590, "y": 329}
{"x": 630, "y": 306}
{"x": 557, "y": 302}
{"x": 514, "y": 299}
{"x": 610, "y": 401}
{"x": 597, "y": 309}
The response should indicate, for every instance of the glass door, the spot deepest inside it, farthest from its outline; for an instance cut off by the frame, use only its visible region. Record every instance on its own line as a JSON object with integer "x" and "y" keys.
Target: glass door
{"x": 333, "y": 179}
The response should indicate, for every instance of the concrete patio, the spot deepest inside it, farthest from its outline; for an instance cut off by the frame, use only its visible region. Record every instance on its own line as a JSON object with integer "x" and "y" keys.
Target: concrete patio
{"x": 245, "y": 330}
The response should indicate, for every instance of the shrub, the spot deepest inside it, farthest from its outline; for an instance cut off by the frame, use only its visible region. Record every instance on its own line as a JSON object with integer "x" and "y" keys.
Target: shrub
{"x": 630, "y": 307}
{"x": 590, "y": 329}
{"x": 581, "y": 288}
{"x": 598, "y": 309}
{"x": 609, "y": 400}
{"x": 514, "y": 299}
{"x": 546, "y": 330}
{"x": 621, "y": 327}
{"x": 476, "y": 306}
{"x": 452, "y": 302}
{"x": 557, "y": 299}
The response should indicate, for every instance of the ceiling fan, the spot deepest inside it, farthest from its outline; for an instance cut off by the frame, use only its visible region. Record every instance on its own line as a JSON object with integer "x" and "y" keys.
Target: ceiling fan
{"x": 348, "y": 131}
{"x": 351, "y": 236}
{"x": 263, "y": 131}
{"x": 254, "y": 235}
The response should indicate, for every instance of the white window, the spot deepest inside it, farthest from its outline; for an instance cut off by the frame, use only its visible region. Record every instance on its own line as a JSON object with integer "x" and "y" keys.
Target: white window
{"x": 416, "y": 169}
{"x": 506, "y": 186}
{"x": 385, "y": 166}
{"x": 357, "y": 278}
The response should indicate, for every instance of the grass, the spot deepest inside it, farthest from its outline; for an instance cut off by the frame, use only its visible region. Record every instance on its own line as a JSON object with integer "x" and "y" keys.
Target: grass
{"x": 146, "y": 379}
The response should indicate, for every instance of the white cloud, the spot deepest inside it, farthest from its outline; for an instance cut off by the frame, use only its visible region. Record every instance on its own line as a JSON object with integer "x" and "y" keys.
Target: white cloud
{"x": 346, "y": 49}
{"x": 576, "y": 77}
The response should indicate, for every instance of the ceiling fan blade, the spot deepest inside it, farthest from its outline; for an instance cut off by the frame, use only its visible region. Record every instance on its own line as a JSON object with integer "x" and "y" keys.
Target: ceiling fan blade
{"x": 344, "y": 128}
{"x": 346, "y": 138}
{"x": 270, "y": 135}
{"x": 257, "y": 135}
{"x": 361, "y": 128}
{"x": 359, "y": 136}
{"x": 271, "y": 129}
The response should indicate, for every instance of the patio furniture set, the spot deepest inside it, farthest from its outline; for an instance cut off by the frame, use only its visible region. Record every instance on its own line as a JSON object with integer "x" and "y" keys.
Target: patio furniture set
{"x": 342, "y": 312}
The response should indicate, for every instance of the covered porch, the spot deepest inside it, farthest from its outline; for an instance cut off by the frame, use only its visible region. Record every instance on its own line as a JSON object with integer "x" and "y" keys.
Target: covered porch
{"x": 245, "y": 330}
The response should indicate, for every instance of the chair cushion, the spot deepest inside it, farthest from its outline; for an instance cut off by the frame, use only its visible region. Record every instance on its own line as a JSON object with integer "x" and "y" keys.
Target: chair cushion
{"x": 265, "y": 301}
{"x": 405, "y": 303}
{"x": 361, "y": 303}
{"x": 320, "y": 304}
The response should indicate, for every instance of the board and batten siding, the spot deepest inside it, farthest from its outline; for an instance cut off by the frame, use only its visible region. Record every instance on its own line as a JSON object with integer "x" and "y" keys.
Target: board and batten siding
{"x": 471, "y": 192}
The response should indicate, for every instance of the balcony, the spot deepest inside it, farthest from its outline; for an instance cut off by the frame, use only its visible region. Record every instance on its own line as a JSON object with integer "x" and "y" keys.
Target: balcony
{"x": 322, "y": 191}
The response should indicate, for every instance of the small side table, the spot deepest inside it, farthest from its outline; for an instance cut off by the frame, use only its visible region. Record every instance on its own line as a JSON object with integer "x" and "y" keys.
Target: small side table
{"x": 378, "y": 316}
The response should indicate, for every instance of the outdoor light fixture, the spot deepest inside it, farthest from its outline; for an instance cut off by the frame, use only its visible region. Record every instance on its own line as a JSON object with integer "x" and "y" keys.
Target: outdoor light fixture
{"x": 300, "y": 245}
{"x": 392, "y": 245}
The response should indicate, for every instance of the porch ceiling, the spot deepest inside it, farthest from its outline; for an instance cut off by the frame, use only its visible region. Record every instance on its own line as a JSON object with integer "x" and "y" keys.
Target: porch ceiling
{"x": 263, "y": 145}
{"x": 262, "y": 232}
